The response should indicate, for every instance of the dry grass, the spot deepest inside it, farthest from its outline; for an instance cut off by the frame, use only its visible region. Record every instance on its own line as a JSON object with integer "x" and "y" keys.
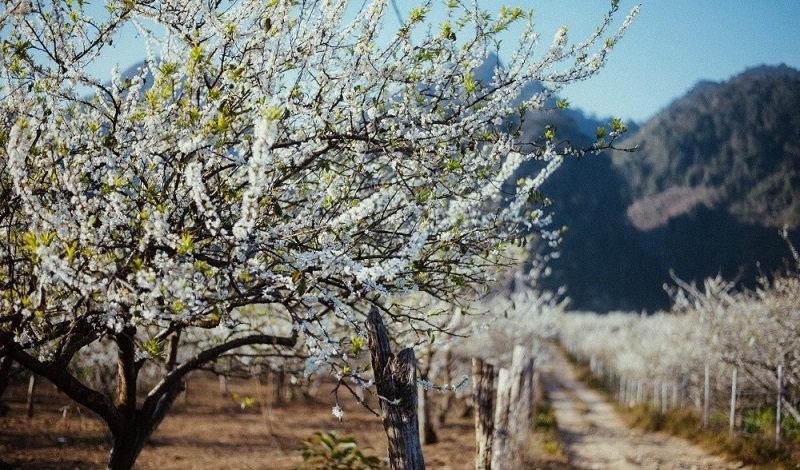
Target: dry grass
{"x": 757, "y": 451}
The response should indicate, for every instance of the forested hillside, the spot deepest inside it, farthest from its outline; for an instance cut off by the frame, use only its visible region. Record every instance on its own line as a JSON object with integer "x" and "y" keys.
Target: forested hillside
{"x": 716, "y": 174}
{"x": 732, "y": 144}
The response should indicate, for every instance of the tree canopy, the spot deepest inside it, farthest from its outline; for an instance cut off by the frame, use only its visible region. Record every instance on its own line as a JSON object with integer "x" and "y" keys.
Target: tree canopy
{"x": 272, "y": 168}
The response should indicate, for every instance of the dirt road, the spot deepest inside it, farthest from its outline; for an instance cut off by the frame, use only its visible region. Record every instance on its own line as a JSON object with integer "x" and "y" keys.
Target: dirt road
{"x": 596, "y": 438}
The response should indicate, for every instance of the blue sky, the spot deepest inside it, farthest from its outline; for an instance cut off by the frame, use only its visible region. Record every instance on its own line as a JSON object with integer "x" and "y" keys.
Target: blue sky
{"x": 671, "y": 45}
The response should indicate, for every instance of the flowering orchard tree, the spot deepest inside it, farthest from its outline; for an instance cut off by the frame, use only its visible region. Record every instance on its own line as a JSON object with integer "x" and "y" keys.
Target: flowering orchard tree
{"x": 293, "y": 155}
{"x": 714, "y": 325}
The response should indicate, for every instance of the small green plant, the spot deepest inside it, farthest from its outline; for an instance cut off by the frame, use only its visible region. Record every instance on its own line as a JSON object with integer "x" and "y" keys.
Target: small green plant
{"x": 759, "y": 421}
{"x": 762, "y": 421}
{"x": 329, "y": 451}
{"x": 544, "y": 419}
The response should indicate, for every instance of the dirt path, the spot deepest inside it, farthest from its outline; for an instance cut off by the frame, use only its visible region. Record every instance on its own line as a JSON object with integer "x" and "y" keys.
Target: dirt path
{"x": 596, "y": 438}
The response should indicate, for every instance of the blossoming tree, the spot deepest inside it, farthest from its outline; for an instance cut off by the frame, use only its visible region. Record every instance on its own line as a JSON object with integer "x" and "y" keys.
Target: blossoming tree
{"x": 291, "y": 155}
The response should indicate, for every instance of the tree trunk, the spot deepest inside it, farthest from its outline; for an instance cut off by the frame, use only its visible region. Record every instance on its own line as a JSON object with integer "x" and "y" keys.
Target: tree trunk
{"x": 279, "y": 387}
{"x": 483, "y": 391}
{"x": 424, "y": 407}
{"x": 425, "y": 418}
{"x": 517, "y": 410}
{"x": 129, "y": 438}
{"x": 5, "y": 379}
{"x": 5, "y": 373}
{"x": 447, "y": 398}
{"x": 396, "y": 382}
{"x": 126, "y": 445}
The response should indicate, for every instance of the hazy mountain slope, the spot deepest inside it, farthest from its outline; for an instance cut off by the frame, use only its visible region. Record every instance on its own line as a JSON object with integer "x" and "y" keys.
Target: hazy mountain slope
{"x": 718, "y": 171}
{"x": 602, "y": 261}
{"x": 736, "y": 141}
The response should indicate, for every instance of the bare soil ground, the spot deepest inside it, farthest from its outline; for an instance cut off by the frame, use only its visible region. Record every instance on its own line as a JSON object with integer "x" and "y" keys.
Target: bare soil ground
{"x": 596, "y": 438}
{"x": 209, "y": 430}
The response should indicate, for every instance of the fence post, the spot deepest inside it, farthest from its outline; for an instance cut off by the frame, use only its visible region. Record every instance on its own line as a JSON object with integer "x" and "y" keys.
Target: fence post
{"x": 675, "y": 392}
{"x": 482, "y": 390}
{"x": 656, "y": 393}
{"x": 500, "y": 448}
{"x": 631, "y": 393}
{"x": 31, "y": 394}
{"x": 779, "y": 409}
{"x": 732, "y": 422}
{"x": 528, "y": 384}
{"x": 426, "y": 430}
{"x": 518, "y": 408}
{"x": 639, "y": 392}
{"x": 706, "y": 395}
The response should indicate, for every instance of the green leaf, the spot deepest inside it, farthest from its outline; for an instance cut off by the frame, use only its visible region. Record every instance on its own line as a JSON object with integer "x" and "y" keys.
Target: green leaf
{"x": 469, "y": 82}
{"x": 601, "y": 132}
{"x": 550, "y": 133}
{"x": 617, "y": 125}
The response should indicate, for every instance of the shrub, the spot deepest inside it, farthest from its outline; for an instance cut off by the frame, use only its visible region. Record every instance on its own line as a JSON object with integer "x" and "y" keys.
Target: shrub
{"x": 328, "y": 450}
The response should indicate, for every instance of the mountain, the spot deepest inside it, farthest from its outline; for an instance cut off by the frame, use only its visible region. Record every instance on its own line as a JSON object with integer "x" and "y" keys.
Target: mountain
{"x": 716, "y": 174}
{"x": 733, "y": 144}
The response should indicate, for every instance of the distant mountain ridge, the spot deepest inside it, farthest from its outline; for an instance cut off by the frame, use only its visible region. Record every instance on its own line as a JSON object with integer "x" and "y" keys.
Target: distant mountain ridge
{"x": 737, "y": 139}
{"x": 717, "y": 173}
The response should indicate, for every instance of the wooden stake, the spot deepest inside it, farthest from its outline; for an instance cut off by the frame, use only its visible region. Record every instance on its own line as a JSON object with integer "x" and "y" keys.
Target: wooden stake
{"x": 500, "y": 447}
{"x": 482, "y": 393}
{"x": 779, "y": 408}
{"x": 706, "y": 395}
{"x": 732, "y": 420}
{"x": 31, "y": 394}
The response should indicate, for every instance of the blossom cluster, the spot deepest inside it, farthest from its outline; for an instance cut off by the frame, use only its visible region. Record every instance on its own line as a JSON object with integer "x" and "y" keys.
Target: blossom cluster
{"x": 264, "y": 153}
{"x": 714, "y": 325}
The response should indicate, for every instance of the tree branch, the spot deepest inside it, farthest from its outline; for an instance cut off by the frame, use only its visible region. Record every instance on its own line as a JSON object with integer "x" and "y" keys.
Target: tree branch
{"x": 172, "y": 380}
{"x": 58, "y": 374}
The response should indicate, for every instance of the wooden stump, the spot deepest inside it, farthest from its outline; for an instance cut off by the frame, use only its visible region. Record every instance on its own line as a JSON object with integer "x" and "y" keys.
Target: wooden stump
{"x": 396, "y": 382}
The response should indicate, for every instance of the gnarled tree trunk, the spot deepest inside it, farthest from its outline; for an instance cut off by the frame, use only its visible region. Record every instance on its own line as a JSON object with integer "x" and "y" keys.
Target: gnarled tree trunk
{"x": 130, "y": 423}
{"x": 396, "y": 382}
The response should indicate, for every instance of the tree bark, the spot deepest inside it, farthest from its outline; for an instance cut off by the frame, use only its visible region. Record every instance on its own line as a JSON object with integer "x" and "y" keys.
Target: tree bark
{"x": 517, "y": 411}
{"x": 396, "y": 382}
{"x": 446, "y": 402}
{"x": 127, "y": 373}
{"x": 279, "y": 388}
{"x": 424, "y": 406}
{"x": 482, "y": 392}
{"x": 126, "y": 445}
{"x": 426, "y": 429}
{"x": 5, "y": 373}
{"x": 5, "y": 379}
